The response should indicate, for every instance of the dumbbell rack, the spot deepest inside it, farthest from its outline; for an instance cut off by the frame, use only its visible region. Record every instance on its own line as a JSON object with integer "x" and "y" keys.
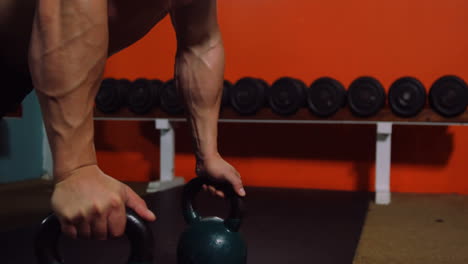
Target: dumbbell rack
{"x": 384, "y": 121}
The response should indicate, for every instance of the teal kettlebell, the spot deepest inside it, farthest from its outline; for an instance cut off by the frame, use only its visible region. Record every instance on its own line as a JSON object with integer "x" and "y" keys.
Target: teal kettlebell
{"x": 137, "y": 231}
{"x": 211, "y": 240}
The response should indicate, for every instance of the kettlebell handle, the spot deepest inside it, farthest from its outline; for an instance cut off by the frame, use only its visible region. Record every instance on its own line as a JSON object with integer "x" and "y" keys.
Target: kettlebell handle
{"x": 136, "y": 230}
{"x": 233, "y": 222}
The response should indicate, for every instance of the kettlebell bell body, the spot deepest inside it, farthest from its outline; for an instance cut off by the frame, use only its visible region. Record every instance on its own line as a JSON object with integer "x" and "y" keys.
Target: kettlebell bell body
{"x": 211, "y": 240}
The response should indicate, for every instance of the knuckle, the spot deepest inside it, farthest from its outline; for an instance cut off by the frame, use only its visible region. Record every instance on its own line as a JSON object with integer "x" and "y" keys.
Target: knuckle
{"x": 78, "y": 217}
{"x": 115, "y": 202}
{"x": 234, "y": 171}
{"x": 67, "y": 217}
{"x": 234, "y": 180}
{"x": 118, "y": 232}
{"x": 96, "y": 210}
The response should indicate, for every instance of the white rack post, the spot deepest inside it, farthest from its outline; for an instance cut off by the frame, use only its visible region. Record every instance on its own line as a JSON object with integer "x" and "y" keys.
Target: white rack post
{"x": 383, "y": 148}
{"x": 383, "y": 162}
{"x": 167, "y": 179}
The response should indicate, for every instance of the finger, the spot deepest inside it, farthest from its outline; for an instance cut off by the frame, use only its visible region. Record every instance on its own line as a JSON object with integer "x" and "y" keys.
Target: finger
{"x": 135, "y": 202}
{"x": 99, "y": 227}
{"x": 220, "y": 194}
{"x": 205, "y": 187}
{"x": 84, "y": 230}
{"x": 237, "y": 184}
{"x": 116, "y": 221}
{"x": 69, "y": 230}
{"x": 212, "y": 190}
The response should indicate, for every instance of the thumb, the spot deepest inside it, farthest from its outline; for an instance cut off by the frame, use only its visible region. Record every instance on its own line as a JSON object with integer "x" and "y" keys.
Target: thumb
{"x": 237, "y": 185}
{"x": 135, "y": 202}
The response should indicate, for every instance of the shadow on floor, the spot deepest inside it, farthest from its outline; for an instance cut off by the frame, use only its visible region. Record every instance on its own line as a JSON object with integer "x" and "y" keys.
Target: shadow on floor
{"x": 281, "y": 226}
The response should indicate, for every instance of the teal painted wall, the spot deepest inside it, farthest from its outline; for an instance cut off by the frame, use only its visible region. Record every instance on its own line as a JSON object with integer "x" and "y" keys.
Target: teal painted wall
{"x": 21, "y": 144}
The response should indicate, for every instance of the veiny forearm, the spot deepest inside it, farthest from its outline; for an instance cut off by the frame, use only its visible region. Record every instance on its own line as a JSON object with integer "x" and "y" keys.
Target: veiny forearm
{"x": 67, "y": 56}
{"x": 199, "y": 75}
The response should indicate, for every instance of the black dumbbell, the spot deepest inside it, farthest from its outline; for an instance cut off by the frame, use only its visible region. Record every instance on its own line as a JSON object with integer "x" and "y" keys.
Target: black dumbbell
{"x": 124, "y": 87}
{"x": 407, "y": 97}
{"x": 286, "y": 96}
{"x": 170, "y": 98}
{"x": 325, "y": 97}
{"x": 112, "y": 95}
{"x": 137, "y": 231}
{"x": 248, "y": 95}
{"x": 366, "y": 96}
{"x": 143, "y": 95}
{"x": 448, "y": 96}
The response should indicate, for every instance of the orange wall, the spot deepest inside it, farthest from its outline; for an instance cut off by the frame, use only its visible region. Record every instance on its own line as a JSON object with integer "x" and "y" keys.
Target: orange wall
{"x": 308, "y": 39}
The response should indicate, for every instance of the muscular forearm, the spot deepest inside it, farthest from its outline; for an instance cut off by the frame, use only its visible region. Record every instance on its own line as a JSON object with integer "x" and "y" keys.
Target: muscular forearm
{"x": 199, "y": 74}
{"x": 67, "y": 57}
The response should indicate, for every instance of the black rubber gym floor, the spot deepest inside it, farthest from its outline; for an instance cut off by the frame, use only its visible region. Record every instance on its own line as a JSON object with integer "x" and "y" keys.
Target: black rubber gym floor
{"x": 281, "y": 226}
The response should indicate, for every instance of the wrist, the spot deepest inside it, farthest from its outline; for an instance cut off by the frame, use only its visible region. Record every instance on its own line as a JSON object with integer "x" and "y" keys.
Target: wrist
{"x": 202, "y": 161}
{"x": 61, "y": 173}
{"x": 202, "y": 156}
{"x": 66, "y": 162}
{"x": 70, "y": 155}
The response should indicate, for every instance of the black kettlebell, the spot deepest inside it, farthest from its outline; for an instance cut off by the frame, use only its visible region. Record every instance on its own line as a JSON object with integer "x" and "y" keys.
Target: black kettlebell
{"x": 211, "y": 240}
{"x": 136, "y": 230}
